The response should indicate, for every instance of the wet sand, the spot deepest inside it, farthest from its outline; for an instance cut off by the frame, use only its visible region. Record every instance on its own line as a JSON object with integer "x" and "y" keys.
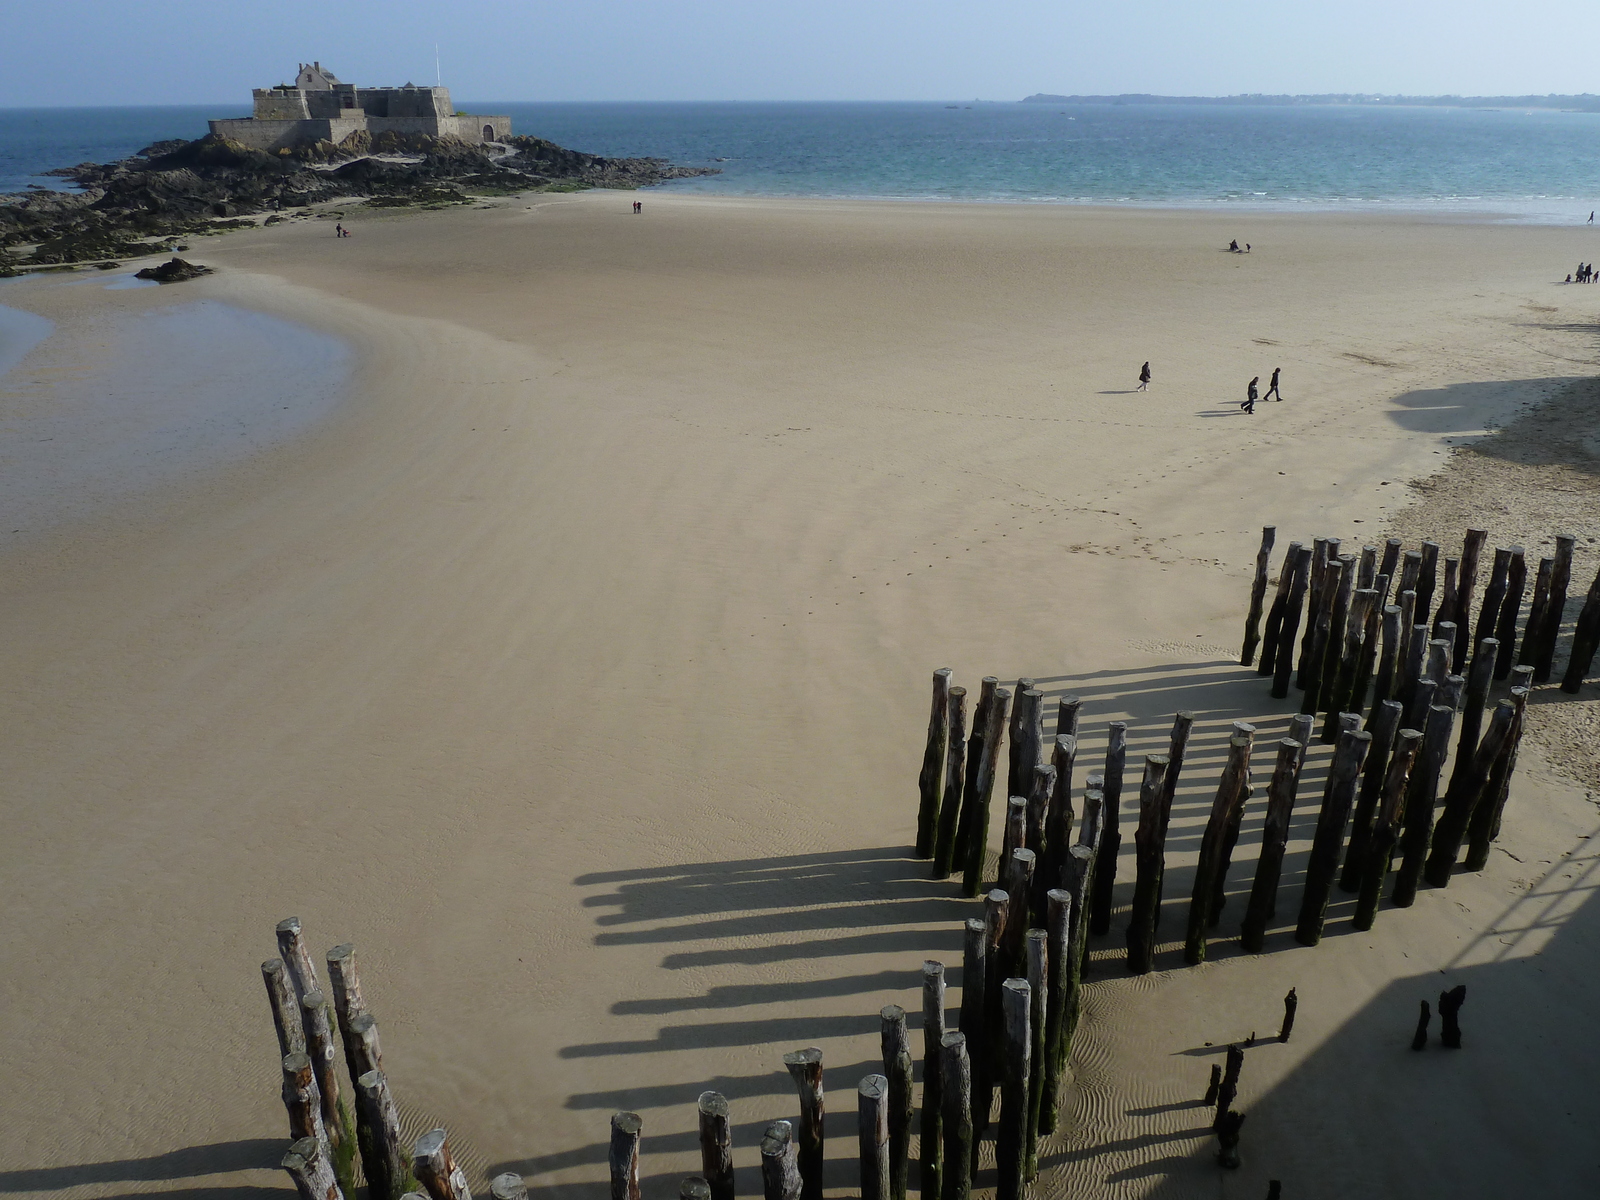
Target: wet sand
{"x": 575, "y": 669}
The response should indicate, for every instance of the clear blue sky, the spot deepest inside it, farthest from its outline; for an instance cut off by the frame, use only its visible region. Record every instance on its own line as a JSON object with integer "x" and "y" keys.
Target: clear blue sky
{"x": 71, "y": 52}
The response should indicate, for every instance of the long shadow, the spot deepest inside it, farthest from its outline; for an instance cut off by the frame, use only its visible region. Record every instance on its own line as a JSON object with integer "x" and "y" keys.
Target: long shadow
{"x": 218, "y": 1158}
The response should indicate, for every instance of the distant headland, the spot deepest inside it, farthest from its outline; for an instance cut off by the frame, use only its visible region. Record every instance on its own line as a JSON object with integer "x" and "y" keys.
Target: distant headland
{"x": 1582, "y": 103}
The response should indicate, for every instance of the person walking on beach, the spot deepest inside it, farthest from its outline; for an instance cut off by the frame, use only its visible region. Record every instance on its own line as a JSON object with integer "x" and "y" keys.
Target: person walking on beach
{"x": 1144, "y": 377}
{"x": 1249, "y": 404}
{"x": 338, "y": 230}
{"x": 1272, "y": 388}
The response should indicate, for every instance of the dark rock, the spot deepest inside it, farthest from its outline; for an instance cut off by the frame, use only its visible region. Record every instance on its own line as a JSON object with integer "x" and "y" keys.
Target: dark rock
{"x": 174, "y": 270}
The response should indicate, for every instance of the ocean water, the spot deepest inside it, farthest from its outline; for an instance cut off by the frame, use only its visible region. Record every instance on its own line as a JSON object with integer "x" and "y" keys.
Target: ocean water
{"x": 1531, "y": 165}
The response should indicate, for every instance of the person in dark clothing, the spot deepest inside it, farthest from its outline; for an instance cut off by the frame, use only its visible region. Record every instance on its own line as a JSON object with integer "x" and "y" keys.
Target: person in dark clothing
{"x": 1234, "y": 245}
{"x": 1272, "y": 388}
{"x": 1144, "y": 377}
{"x": 1250, "y": 397}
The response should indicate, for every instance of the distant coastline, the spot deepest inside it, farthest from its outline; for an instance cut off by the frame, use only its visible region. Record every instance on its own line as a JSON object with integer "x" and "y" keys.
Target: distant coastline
{"x": 1586, "y": 102}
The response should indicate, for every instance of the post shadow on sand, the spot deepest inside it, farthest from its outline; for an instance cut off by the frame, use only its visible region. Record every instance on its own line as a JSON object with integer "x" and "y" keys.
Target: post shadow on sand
{"x": 218, "y": 1158}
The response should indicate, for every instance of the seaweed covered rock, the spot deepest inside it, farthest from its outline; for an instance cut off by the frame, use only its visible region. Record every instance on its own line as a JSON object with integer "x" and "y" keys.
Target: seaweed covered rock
{"x": 175, "y": 270}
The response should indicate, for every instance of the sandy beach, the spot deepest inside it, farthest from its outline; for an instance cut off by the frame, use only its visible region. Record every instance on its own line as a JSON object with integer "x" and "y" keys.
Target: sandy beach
{"x": 574, "y": 667}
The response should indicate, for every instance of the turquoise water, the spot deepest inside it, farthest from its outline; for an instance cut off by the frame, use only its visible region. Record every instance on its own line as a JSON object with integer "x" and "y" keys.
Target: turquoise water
{"x": 1529, "y": 165}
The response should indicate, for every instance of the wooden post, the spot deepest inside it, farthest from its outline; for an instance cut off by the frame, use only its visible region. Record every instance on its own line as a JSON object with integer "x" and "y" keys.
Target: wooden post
{"x": 1275, "y": 614}
{"x": 1556, "y": 610}
{"x": 805, "y": 1067}
{"x": 1421, "y": 795}
{"x": 1079, "y": 880}
{"x": 895, "y": 1043}
{"x": 1480, "y": 680}
{"x": 1300, "y": 733}
{"x": 1367, "y": 569}
{"x": 1284, "y": 666}
{"x": 1228, "y": 1127}
{"x": 986, "y": 1070}
{"x": 1014, "y": 831}
{"x": 1367, "y": 658}
{"x": 324, "y": 1059}
{"x": 973, "y": 1022}
{"x": 944, "y": 843}
{"x": 1466, "y": 581}
{"x": 1385, "y": 829}
{"x": 977, "y": 844}
{"x": 1449, "y": 1024}
{"x": 1068, "y": 711}
{"x": 311, "y": 1171}
{"x": 1018, "y": 884}
{"x": 1338, "y": 695}
{"x": 1274, "y": 840}
{"x": 1451, "y": 692}
{"x": 969, "y": 786}
{"x": 1337, "y": 798}
{"x": 716, "y": 1145}
{"x": 1466, "y": 793}
{"x": 1037, "y": 953}
{"x": 1059, "y": 932}
{"x": 348, "y": 1001}
{"x": 872, "y": 1131}
{"x": 1385, "y": 725}
{"x": 1446, "y": 612}
{"x": 1147, "y": 887}
{"x": 292, "y": 949}
{"x": 1105, "y": 871}
{"x": 1323, "y": 550}
{"x": 1384, "y": 687}
{"x": 1536, "y": 613}
{"x": 1439, "y": 654}
{"x": 1389, "y": 563}
{"x": 956, "y": 1073}
{"x": 1177, "y": 744}
{"x": 1505, "y": 629}
{"x": 1291, "y": 1004}
{"x": 1339, "y": 620}
{"x": 1427, "y": 573}
{"x": 1485, "y": 826}
{"x": 1416, "y": 715}
{"x": 1322, "y": 630}
{"x": 361, "y": 1042}
{"x": 381, "y": 1159}
{"x": 436, "y": 1170}
{"x": 1028, "y": 736}
{"x": 1410, "y": 571}
{"x": 1494, "y": 597}
{"x": 304, "y": 1103}
{"x": 695, "y": 1187}
{"x": 510, "y": 1186}
{"x": 1415, "y": 663}
{"x": 1058, "y": 820}
{"x": 1258, "y": 595}
{"x": 285, "y": 1008}
{"x": 1044, "y": 788}
{"x": 624, "y": 1157}
{"x": 1585, "y": 640}
{"x": 1228, "y": 1092}
{"x": 780, "y": 1176}
{"x": 933, "y": 758}
{"x": 1230, "y": 796}
{"x": 931, "y": 1134}
{"x": 1011, "y": 1145}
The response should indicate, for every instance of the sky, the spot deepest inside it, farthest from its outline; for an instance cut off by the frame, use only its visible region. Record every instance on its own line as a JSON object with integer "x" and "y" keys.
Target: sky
{"x": 94, "y": 52}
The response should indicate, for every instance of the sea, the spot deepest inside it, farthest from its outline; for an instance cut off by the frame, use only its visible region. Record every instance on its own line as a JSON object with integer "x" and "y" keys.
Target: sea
{"x": 1524, "y": 165}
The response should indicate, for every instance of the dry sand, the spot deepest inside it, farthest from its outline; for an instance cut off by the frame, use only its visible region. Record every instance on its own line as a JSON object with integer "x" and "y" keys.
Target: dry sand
{"x": 576, "y": 671}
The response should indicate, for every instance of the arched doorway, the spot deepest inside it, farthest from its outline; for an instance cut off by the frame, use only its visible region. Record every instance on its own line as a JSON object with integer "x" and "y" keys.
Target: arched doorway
{"x": 488, "y": 133}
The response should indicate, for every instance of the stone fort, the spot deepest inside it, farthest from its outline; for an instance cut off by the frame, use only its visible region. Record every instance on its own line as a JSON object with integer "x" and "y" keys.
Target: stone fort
{"x": 321, "y": 108}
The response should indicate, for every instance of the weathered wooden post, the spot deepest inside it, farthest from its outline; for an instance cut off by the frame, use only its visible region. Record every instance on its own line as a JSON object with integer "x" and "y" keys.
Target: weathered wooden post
{"x": 310, "y": 1170}
{"x": 324, "y": 1059}
{"x": 1446, "y": 612}
{"x": 381, "y": 1159}
{"x": 969, "y": 787}
{"x": 1105, "y": 871}
{"x": 1384, "y": 726}
{"x": 977, "y": 843}
{"x": 1439, "y": 653}
{"x": 780, "y": 1175}
{"x": 1416, "y": 715}
{"x": 1337, "y": 697}
{"x": 1037, "y": 954}
{"x": 1585, "y": 640}
{"x": 348, "y": 1001}
{"x": 1449, "y": 1022}
{"x": 1505, "y": 630}
{"x": 1322, "y": 632}
{"x": 1291, "y": 1004}
{"x": 1410, "y": 571}
{"x": 955, "y": 764}
{"x": 1230, "y": 832}
{"x": 1147, "y": 887}
{"x": 1011, "y": 1145}
{"x": 972, "y": 1020}
{"x": 1485, "y": 826}
{"x": 1229, "y": 1091}
{"x": 1480, "y": 678}
{"x": 292, "y": 949}
{"x": 304, "y": 1103}
{"x": 1258, "y": 595}
{"x": 956, "y": 1072}
{"x": 1451, "y": 692}
{"x": 1339, "y": 620}
{"x": 510, "y": 1186}
{"x": 1058, "y": 819}
{"x": 1427, "y": 574}
{"x": 1079, "y": 880}
{"x": 624, "y": 1157}
{"x": 1323, "y": 551}
{"x": 1368, "y": 656}
{"x": 1337, "y": 799}
{"x": 805, "y": 1067}
{"x": 1389, "y": 563}
{"x": 896, "y": 1045}
{"x": 1467, "y": 791}
{"x": 1028, "y": 736}
{"x": 1059, "y": 932}
{"x": 1037, "y": 840}
{"x": 1494, "y": 597}
{"x": 361, "y": 1042}
{"x": 1536, "y": 613}
{"x": 1283, "y": 667}
{"x": 933, "y": 759}
{"x": 1422, "y": 794}
{"x": 1367, "y": 570}
{"x": 1177, "y": 744}
{"x": 1228, "y": 1127}
{"x": 1556, "y": 609}
{"x": 1230, "y": 795}
{"x": 1274, "y": 840}
{"x": 986, "y": 1071}
{"x": 716, "y": 1144}
{"x": 1014, "y": 830}
{"x": 1384, "y": 687}
{"x": 695, "y": 1187}
{"x": 1466, "y": 581}
{"x": 1415, "y": 661}
{"x": 931, "y": 1133}
{"x": 436, "y": 1170}
{"x": 1018, "y": 884}
{"x": 1385, "y": 829}
{"x": 1398, "y": 689}
{"x": 872, "y": 1132}
{"x": 285, "y": 1008}
{"x": 1280, "y": 605}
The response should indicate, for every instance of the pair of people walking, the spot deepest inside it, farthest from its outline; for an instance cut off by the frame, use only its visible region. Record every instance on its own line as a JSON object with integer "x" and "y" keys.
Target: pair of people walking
{"x": 1252, "y": 394}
